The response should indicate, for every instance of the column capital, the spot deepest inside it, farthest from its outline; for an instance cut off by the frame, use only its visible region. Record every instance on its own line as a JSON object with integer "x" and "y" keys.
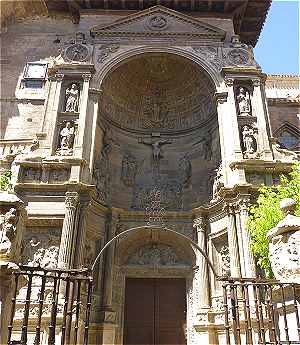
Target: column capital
{"x": 200, "y": 223}
{"x": 221, "y": 97}
{"x": 228, "y": 81}
{"x": 72, "y": 199}
{"x": 86, "y": 77}
{"x": 256, "y": 82}
{"x": 59, "y": 77}
{"x": 231, "y": 207}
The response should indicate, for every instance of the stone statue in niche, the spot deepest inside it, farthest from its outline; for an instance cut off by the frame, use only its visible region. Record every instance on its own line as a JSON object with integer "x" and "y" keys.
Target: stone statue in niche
{"x": 129, "y": 170}
{"x": 185, "y": 170}
{"x": 67, "y": 135}
{"x": 8, "y": 229}
{"x": 72, "y": 98}
{"x": 243, "y": 101}
{"x": 249, "y": 141}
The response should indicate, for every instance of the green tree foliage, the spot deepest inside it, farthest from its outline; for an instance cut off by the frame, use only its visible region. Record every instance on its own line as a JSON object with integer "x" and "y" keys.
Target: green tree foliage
{"x": 266, "y": 214}
{"x": 5, "y": 179}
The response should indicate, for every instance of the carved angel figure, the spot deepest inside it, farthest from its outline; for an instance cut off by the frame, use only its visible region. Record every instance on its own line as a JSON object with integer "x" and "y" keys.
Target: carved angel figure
{"x": 72, "y": 98}
{"x": 243, "y": 100}
{"x": 249, "y": 140}
{"x": 67, "y": 135}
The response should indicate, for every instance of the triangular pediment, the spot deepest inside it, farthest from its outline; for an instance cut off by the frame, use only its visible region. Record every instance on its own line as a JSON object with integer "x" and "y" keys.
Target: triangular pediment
{"x": 159, "y": 21}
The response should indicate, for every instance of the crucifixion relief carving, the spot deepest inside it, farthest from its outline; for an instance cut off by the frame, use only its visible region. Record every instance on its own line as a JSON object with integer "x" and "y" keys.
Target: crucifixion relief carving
{"x": 156, "y": 146}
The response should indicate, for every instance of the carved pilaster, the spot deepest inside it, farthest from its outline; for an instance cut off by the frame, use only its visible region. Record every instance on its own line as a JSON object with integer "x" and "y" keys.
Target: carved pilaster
{"x": 200, "y": 224}
{"x": 260, "y": 112}
{"x": 65, "y": 250}
{"x": 85, "y": 120}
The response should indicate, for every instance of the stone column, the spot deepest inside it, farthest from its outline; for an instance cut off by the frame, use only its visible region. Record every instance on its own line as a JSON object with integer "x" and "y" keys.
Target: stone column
{"x": 67, "y": 235}
{"x": 242, "y": 216}
{"x": 81, "y": 234}
{"x": 233, "y": 245}
{"x": 200, "y": 224}
{"x": 109, "y": 261}
{"x": 260, "y": 113}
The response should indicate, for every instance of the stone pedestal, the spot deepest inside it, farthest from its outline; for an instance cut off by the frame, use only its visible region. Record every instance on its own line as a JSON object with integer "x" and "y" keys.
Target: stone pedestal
{"x": 12, "y": 214}
{"x": 284, "y": 245}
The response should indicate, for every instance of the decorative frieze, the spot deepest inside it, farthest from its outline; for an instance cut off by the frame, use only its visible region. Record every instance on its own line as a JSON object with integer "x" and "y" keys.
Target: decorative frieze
{"x": 156, "y": 255}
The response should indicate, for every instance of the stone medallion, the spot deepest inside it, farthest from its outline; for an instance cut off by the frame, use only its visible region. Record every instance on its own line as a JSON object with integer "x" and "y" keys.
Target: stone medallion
{"x": 238, "y": 57}
{"x": 77, "y": 52}
{"x": 157, "y": 23}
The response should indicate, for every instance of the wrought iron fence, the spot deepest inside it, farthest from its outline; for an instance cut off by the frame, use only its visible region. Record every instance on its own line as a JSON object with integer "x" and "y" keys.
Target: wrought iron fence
{"x": 261, "y": 312}
{"x": 50, "y": 306}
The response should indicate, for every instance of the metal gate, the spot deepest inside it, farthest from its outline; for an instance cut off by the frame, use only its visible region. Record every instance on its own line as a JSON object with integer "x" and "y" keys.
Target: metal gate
{"x": 261, "y": 312}
{"x": 50, "y": 306}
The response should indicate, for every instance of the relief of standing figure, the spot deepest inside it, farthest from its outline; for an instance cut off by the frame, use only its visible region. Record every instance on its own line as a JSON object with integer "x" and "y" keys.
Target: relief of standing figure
{"x": 72, "y": 98}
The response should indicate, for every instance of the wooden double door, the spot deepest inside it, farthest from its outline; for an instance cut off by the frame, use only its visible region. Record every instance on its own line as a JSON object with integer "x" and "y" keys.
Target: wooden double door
{"x": 155, "y": 311}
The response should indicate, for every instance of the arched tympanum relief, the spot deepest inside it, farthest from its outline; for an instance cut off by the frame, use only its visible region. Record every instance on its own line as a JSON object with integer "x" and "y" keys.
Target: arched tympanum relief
{"x": 156, "y": 254}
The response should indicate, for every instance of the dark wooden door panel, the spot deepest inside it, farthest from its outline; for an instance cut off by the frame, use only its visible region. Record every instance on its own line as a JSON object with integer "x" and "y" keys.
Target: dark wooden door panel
{"x": 154, "y": 312}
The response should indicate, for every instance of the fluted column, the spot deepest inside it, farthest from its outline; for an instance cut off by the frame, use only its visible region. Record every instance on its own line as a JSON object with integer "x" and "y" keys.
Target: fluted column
{"x": 81, "y": 234}
{"x": 249, "y": 263}
{"x": 233, "y": 245}
{"x": 67, "y": 235}
{"x": 109, "y": 261}
{"x": 200, "y": 224}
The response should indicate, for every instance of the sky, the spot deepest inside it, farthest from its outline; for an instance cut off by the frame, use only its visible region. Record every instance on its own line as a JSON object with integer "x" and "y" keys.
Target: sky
{"x": 277, "y": 50}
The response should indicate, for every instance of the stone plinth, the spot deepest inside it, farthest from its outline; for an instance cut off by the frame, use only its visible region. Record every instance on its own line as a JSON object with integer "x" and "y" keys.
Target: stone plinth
{"x": 285, "y": 245}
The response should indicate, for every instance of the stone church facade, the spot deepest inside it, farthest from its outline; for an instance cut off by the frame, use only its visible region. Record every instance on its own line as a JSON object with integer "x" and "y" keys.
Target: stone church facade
{"x": 130, "y": 108}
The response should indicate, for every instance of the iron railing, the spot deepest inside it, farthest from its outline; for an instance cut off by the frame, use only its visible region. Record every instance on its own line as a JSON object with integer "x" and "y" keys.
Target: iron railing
{"x": 261, "y": 312}
{"x": 50, "y": 304}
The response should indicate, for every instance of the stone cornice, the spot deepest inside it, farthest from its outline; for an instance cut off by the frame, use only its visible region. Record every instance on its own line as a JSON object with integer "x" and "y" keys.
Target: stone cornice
{"x": 259, "y": 165}
{"x": 284, "y": 101}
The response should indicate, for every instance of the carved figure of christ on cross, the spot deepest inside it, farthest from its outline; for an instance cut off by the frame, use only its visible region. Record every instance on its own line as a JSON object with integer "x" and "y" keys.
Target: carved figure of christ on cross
{"x": 156, "y": 147}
